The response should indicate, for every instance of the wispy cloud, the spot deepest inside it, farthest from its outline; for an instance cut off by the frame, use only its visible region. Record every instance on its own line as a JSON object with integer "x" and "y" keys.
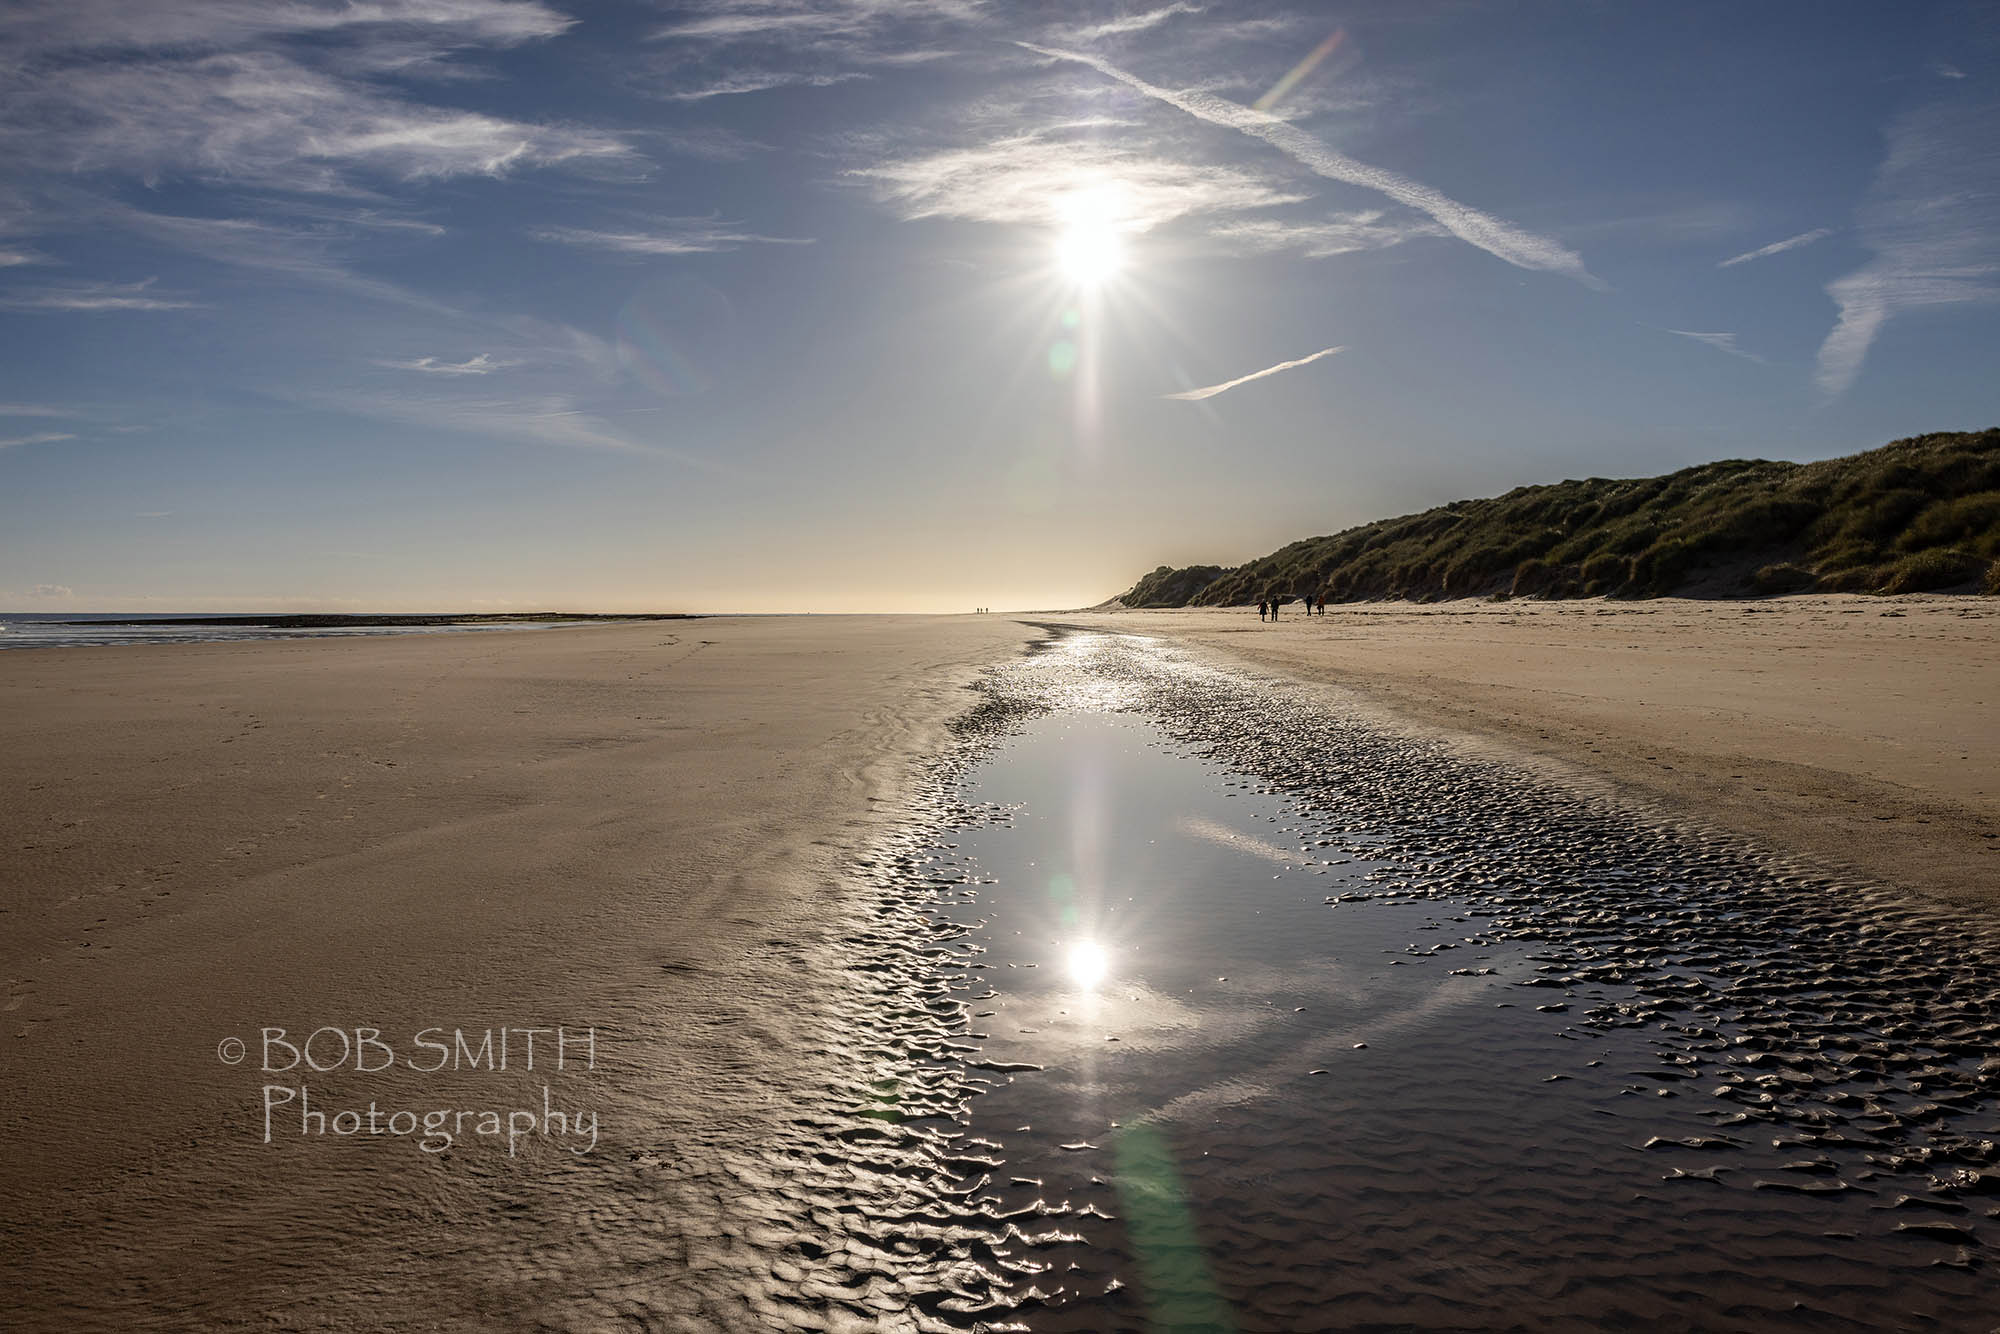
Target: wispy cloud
{"x": 343, "y": 220}
{"x": 1194, "y": 395}
{"x": 1778, "y": 247}
{"x": 1340, "y": 234}
{"x": 554, "y": 419}
{"x": 734, "y": 21}
{"x": 765, "y": 21}
{"x": 1036, "y": 176}
{"x": 11, "y": 256}
{"x": 735, "y": 85}
{"x": 1668, "y": 224}
{"x": 52, "y": 591}
{"x": 692, "y": 240}
{"x": 33, "y": 410}
{"x": 708, "y": 143}
{"x": 1123, "y": 26}
{"x": 262, "y": 95}
{"x": 483, "y": 364}
{"x": 62, "y": 25}
{"x": 1933, "y": 220}
{"x": 1500, "y": 239}
{"x": 727, "y": 48}
{"x": 306, "y": 254}
{"x": 264, "y": 118}
{"x": 39, "y": 438}
{"x": 562, "y": 345}
{"x": 1721, "y": 342}
{"x": 94, "y": 297}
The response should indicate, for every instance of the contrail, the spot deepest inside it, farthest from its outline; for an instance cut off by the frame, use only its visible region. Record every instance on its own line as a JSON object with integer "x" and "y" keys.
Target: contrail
{"x": 1721, "y": 342}
{"x": 1489, "y": 233}
{"x": 1778, "y": 247}
{"x": 1214, "y": 389}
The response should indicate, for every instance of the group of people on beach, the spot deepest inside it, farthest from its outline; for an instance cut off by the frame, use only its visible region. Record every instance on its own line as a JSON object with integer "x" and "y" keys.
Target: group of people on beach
{"x": 1267, "y": 608}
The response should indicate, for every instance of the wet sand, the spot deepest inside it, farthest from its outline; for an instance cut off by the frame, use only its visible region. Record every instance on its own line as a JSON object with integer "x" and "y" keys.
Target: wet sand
{"x": 607, "y": 827}
{"x": 1857, "y": 731}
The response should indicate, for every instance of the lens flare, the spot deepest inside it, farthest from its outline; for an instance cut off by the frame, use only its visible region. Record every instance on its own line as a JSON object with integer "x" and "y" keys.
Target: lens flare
{"x": 1300, "y": 70}
{"x": 677, "y": 336}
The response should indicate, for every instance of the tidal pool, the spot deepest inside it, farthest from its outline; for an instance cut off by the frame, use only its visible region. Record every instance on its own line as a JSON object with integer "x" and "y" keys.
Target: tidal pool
{"x": 1289, "y": 1023}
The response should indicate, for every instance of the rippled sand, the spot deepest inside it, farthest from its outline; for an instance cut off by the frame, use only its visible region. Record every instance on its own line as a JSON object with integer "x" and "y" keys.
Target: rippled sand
{"x": 1647, "y": 1076}
{"x": 1488, "y": 1054}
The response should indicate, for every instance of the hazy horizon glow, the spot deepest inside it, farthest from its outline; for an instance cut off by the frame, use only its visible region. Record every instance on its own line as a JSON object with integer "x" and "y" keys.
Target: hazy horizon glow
{"x": 845, "y": 305}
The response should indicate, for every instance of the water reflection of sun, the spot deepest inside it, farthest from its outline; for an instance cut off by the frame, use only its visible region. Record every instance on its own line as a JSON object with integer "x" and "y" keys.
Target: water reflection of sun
{"x": 1088, "y": 963}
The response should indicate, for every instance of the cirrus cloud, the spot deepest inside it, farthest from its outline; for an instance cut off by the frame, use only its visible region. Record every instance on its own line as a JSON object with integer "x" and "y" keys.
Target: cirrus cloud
{"x": 1498, "y": 238}
{"x": 94, "y": 297}
{"x": 698, "y": 238}
{"x": 1031, "y": 178}
{"x": 1933, "y": 220}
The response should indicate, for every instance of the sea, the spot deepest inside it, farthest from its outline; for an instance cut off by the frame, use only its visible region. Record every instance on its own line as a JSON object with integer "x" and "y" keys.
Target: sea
{"x": 72, "y": 629}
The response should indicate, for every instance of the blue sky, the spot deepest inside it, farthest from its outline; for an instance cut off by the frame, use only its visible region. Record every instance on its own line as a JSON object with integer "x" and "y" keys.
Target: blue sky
{"x": 880, "y": 304}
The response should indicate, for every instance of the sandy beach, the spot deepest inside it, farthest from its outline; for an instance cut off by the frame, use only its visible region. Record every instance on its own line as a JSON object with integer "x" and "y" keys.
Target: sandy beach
{"x": 593, "y": 827}
{"x": 648, "y": 834}
{"x": 1858, "y": 732}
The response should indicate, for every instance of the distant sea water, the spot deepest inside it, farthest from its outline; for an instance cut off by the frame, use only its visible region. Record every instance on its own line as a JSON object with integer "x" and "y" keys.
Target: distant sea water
{"x": 71, "y": 629}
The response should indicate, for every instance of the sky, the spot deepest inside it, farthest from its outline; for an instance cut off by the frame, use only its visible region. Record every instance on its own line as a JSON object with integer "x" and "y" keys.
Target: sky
{"x": 926, "y": 305}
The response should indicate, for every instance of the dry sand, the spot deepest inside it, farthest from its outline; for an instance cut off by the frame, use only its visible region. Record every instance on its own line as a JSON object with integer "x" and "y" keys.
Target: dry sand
{"x": 589, "y": 827}
{"x": 1862, "y": 733}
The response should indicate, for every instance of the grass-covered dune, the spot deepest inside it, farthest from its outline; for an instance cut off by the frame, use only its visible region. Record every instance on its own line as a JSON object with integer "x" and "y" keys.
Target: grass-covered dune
{"x": 1919, "y": 514}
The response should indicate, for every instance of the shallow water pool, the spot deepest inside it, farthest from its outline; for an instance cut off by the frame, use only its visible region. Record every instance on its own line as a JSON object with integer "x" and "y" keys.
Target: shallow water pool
{"x": 1281, "y": 1086}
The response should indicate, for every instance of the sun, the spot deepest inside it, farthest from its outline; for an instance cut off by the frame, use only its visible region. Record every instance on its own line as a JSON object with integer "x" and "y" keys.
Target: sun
{"x": 1089, "y": 253}
{"x": 1090, "y": 248}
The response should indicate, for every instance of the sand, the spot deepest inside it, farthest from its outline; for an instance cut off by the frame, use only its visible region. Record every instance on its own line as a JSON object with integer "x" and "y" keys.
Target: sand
{"x": 1861, "y": 733}
{"x": 588, "y": 827}
{"x": 648, "y": 832}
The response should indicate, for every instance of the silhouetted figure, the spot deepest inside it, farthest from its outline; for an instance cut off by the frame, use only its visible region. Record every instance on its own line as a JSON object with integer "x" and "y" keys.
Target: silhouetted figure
{"x": 1322, "y": 604}
{"x": 1274, "y": 608}
{"x": 1262, "y": 608}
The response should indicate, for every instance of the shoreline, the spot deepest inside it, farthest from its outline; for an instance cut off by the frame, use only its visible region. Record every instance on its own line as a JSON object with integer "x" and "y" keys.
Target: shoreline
{"x": 1850, "y": 732}
{"x": 319, "y": 620}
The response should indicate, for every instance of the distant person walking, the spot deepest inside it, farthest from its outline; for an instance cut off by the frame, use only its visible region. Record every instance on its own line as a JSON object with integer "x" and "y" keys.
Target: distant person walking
{"x": 1322, "y": 604}
{"x": 1262, "y": 608}
{"x": 1274, "y": 607}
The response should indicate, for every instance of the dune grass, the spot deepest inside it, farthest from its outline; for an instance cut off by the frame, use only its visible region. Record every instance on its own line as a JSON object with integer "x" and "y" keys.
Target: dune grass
{"x": 1915, "y": 515}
